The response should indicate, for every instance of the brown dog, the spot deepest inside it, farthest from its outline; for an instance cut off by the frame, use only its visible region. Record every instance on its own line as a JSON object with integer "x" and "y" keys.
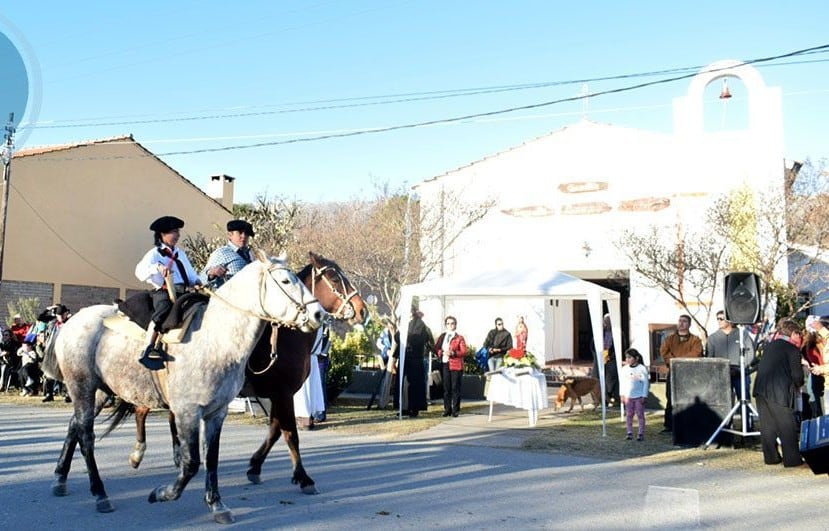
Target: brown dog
{"x": 575, "y": 388}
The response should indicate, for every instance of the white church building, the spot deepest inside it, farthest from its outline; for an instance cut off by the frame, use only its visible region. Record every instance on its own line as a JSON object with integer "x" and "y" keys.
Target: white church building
{"x": 563, "y": 199}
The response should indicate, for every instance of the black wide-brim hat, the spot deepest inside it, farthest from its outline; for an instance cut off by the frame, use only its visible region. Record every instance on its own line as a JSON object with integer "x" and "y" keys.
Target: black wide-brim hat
{"x": 240, "y": 225}
{"x": 166, "y": 224}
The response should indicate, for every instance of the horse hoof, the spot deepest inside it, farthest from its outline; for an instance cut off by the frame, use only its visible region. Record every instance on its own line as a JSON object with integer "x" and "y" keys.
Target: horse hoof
{"x": 254, "y": 478}
{"x": 221, "y": 514}
{"x": 309, "y": 489}
{"x": 156, "y": 495}
{"x": 103, "y": 505}
{"x": 225, "y": 517}
{"x": 135, "y": 463}
{"x": 59, "y": 488}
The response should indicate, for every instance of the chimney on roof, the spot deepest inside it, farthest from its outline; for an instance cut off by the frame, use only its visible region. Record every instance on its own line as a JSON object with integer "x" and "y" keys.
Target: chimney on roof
{"x": 220, "y": 188}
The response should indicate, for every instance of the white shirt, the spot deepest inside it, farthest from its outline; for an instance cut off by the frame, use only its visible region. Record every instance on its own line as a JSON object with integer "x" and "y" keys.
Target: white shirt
{"x": 147, "y": 268}
{"x": 634, "y": 382}
{"x": 447, "y": 339}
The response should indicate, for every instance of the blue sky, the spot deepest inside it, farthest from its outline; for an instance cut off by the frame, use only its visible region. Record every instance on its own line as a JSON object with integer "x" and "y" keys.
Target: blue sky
{"x": 197, "y": 75}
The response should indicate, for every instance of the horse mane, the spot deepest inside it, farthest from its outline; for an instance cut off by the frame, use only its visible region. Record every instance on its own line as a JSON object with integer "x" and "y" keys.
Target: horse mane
{"x": 303, "y": 273}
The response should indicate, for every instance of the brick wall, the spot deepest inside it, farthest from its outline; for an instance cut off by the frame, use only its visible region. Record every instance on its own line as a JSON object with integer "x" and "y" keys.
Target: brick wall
{"x": 76, "y": 297}
{"x": 13, "y": 291}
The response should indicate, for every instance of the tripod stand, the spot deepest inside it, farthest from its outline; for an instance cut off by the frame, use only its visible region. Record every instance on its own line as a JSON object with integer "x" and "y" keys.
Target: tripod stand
{"x": 743, "y": 404}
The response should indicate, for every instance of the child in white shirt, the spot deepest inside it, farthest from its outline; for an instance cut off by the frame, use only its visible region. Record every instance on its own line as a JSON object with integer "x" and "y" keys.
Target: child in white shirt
{"x": 634, "y": 382}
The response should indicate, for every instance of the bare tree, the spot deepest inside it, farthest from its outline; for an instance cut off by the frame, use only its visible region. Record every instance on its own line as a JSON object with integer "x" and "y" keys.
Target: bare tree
{"x": 378, "y": 242}
{"x": 685, "y": 267}
{"x": 773, "y": 233}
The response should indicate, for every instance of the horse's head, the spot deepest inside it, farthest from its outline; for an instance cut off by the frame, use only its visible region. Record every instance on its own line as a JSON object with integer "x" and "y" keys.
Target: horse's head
{"x": 332, "y": 288}
{"x": 283, "y": 298}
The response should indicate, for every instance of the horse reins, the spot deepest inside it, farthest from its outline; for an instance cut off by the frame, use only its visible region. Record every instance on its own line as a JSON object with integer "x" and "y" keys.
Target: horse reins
{"x": 301, "y": 307}
{"x": 339, "y": 314}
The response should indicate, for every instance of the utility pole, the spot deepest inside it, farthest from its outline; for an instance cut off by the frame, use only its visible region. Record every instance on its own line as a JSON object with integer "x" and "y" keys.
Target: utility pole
{"x": 8, "y": 147}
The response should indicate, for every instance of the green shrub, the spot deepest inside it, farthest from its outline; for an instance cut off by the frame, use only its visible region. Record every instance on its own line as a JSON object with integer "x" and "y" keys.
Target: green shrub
{"x": 470, "y": 366}
{"x": 344, "y": 355}
{"x": 28, "y": 308}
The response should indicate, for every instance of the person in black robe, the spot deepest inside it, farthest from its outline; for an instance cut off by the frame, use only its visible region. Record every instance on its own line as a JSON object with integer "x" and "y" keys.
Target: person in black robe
{"x": 419, "y": 343}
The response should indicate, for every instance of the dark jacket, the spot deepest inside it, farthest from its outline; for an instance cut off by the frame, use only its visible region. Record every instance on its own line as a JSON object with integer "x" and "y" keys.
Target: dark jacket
{"x": 500, "y": 339}
{"x": 779, "y": 373}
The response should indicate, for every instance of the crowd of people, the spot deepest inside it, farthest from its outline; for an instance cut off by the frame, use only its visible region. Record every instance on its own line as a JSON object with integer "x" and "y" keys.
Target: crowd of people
{"x": 450, "y": 351}
{"x": 26, "y": 347}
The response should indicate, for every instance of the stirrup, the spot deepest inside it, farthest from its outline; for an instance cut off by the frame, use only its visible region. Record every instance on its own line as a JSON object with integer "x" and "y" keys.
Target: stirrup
{"x": 153, "y": 358}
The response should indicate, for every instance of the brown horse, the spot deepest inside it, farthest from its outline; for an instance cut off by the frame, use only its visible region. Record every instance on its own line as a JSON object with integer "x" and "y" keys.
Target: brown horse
{"x": 279, "y": 378}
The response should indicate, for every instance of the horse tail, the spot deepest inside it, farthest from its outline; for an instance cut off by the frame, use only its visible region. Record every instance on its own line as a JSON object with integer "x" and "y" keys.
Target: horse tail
{"x": 121, "y": 412}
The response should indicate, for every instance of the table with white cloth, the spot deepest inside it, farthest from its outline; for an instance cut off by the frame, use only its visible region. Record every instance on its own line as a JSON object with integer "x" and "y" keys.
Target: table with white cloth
{"x": 524, "y": 390}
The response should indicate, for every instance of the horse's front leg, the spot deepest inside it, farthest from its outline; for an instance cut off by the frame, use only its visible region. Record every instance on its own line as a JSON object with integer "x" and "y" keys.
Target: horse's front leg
{"x": 212, "y": 434}
{"x": 259, "y": 456}
{"x": 137, "y": 454}
{"x": 300, "y": 477}
{"x": 287, "y": 420}
{"x": 188, "y": 427}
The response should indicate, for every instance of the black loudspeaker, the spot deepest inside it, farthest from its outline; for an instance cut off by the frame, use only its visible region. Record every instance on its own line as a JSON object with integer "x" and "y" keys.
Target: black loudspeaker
{"x": 701, "y": 398}
{"x": 742, "y": 298}
{"x": 814, "y": 443}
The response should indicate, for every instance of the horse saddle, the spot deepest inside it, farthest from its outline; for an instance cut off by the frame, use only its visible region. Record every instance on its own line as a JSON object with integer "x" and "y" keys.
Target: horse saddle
{"x": 133, "y": 317}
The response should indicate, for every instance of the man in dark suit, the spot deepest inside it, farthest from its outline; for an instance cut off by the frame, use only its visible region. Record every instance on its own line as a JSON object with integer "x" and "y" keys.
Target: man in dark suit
{"x": 779, "y": 378}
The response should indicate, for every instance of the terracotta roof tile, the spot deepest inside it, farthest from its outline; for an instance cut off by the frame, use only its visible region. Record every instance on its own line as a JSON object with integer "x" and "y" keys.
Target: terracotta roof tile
{"x": 40, "y": 150}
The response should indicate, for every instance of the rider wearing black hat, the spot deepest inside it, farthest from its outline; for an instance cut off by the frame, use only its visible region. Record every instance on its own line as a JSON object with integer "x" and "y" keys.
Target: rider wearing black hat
{"x": 229, "y": 259}
{"x": 163, "y": 260}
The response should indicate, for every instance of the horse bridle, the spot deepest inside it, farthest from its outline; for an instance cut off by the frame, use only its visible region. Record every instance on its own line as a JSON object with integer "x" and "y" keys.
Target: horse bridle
{"x": 300, "y": 306}
{"x": 345, "y": 310}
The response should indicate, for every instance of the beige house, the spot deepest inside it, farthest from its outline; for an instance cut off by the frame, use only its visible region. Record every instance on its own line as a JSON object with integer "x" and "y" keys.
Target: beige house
{"x": 79, "y": 214}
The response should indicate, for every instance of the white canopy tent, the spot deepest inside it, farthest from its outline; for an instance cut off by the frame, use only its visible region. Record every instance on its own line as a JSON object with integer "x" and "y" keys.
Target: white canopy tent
{"x": 526, "y": 282}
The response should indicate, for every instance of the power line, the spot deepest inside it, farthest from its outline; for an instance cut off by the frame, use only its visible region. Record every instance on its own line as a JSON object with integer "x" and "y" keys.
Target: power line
{"x": 387, "y": 99}
{"x": 445, "y": 121}
{"x": 427, "y": 123}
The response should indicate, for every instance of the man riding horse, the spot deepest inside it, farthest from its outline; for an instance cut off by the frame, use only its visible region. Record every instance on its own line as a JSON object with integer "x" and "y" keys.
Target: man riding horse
{"x": 229, "y": 259}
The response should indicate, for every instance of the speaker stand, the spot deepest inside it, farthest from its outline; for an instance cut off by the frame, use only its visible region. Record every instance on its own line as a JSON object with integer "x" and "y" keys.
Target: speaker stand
{"x": 743, "y": 405}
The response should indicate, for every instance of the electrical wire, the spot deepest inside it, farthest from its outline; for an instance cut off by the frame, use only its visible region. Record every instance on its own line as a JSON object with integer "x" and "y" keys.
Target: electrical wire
{"x": 365, "y": 101}
{"x": 311, "y": 136}
{"x": 63, "y": 240}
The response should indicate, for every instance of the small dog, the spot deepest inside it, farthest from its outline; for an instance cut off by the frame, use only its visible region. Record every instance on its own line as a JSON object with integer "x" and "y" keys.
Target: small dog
{"x": 574, "y": 389}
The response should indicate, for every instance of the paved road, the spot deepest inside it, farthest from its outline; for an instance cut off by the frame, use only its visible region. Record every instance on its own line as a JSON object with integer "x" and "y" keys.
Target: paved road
{"x": 465, "y": 473}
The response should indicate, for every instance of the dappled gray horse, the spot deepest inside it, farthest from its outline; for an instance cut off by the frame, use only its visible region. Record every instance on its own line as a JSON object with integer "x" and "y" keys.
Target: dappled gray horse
{"x": 278, "y": 378}
{"x": 203, "y": 375}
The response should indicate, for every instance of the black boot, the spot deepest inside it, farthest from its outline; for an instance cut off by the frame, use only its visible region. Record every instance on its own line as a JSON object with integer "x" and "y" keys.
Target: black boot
{"x": 153, "y": 357}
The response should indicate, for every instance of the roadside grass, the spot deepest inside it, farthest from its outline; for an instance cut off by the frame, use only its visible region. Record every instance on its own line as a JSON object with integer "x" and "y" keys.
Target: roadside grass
{"x": 581, "y": 434}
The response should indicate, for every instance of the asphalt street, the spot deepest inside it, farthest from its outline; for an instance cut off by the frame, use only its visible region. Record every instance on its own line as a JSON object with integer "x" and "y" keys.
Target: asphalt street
{"x": 466, "y": 473}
